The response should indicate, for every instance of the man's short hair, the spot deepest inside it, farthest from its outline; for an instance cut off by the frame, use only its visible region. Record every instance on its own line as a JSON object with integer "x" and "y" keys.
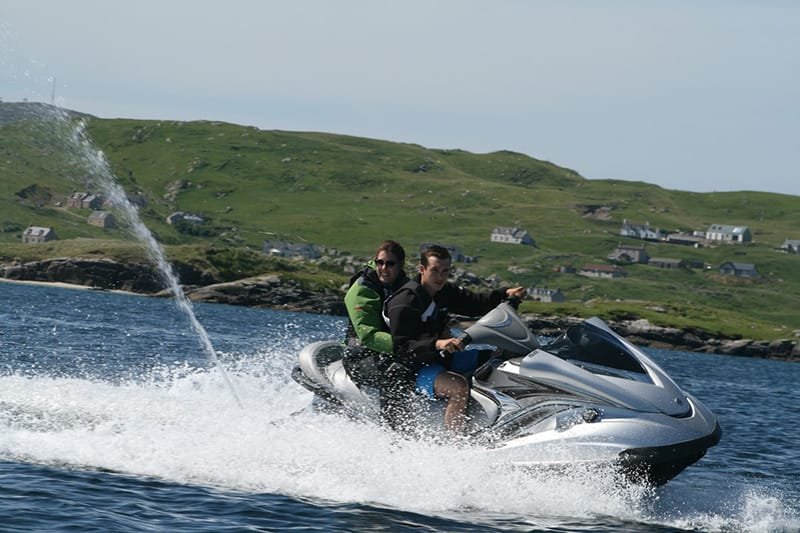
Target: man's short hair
{"x": 434, "y": 250}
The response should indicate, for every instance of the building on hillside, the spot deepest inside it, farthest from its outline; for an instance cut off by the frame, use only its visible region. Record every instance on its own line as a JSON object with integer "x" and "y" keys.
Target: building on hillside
{"x": 640, "y": 231}
{"x": 102, "y": 219}
{"x": 742, "y": 270}
{"x": 512, "y": 236}
{"x": 542, "y": 294}
{"x": 289, "y": 249}
{"x": 455, "y": 252}
{"x": 34, "y": 234}
{"x": 602, "y": 271}
{"x": 181, "y": 216}
{"x": 664, "y": 262}
{"x": 629, "y": 254}
{"x": 686, "y": 239}
{"x": 791, "y": 246}
{"x": 75, "y": 199}
{"x": 728, "y": 234}
{"x": 92, "y": 201}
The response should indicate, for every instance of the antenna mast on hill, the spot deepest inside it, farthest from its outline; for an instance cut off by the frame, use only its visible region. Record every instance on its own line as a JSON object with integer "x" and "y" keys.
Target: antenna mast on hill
{"x": 53, "y": 92}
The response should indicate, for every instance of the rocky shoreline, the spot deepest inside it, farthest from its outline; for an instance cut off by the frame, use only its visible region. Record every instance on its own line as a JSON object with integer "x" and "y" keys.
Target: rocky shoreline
{"x": 270, "y": 291}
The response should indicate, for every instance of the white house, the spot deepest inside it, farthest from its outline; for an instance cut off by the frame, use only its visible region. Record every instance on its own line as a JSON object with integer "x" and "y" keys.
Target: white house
{"x": 640, "y": 231}
{"x": 791, "y": 246}
{"x": 512, "y": 236}
{"x": 727, "y": 233}
{"x": 542, "y": 294}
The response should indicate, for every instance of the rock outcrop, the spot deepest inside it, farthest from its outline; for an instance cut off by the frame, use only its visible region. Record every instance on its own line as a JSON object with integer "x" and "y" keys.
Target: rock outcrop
{"x": 97, "y": 273}
{"x": 271, "y": 292}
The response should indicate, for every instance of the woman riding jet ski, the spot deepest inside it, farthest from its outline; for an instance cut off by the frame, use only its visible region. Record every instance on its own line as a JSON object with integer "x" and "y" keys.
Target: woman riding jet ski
{"x": 588, "y": 396}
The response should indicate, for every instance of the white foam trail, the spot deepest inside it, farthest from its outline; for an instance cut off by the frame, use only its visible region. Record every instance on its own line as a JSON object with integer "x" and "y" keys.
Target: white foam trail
{"x": 99, "y": 172}
{"x": 179, "y": 424}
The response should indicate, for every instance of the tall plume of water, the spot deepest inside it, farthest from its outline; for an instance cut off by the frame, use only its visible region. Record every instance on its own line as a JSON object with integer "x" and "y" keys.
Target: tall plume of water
{"x": 101, "y": 176}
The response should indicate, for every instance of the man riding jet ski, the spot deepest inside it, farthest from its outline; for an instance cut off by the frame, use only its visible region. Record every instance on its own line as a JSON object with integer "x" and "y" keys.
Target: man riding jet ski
{"x": 588, "y": 396}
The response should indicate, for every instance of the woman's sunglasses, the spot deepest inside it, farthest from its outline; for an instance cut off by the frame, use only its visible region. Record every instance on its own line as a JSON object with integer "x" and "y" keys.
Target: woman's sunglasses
{"x": 381, "y": 262}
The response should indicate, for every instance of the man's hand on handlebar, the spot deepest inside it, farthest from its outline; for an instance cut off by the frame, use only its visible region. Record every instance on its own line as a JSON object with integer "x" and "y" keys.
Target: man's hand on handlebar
{"x": 450, "y": 345}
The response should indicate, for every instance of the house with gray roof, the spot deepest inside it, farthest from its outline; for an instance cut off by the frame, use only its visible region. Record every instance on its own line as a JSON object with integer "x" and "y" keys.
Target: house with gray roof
{"x": 728, "y": 233}
{"x": 741, "y": 270}
{"x": 629, "y": 254}
{"x": 102, "y": 219}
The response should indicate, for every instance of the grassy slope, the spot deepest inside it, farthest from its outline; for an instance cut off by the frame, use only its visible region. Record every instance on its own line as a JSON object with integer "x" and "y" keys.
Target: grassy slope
{"x": 350, "y": 193}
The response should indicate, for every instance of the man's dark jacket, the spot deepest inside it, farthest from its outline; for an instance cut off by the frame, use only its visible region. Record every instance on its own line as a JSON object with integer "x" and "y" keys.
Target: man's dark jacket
{"x": 416, "y": 321}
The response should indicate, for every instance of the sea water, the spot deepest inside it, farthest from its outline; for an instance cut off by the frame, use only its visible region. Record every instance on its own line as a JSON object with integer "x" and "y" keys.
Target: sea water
{"x": 112, "y": 417}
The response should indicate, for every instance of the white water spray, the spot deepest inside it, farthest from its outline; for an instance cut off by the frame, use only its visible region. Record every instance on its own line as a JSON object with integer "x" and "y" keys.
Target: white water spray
{"x": 95, "y": 161}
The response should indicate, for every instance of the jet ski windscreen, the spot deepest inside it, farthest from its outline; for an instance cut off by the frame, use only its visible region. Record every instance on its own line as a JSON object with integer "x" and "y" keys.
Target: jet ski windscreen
{"x": 585, "y": 343}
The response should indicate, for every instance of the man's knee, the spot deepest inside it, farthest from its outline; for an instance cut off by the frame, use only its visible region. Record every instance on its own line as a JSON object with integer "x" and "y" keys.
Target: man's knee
{"x": 451, "y": 384}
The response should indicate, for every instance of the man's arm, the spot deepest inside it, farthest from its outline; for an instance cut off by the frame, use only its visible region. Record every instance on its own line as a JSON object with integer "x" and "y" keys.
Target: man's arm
{"x": 463, "y": 302}
{"x": 364, "y": 309}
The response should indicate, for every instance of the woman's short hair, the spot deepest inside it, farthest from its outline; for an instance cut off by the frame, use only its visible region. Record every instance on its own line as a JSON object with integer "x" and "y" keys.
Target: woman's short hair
{"x": 392, "y": 247}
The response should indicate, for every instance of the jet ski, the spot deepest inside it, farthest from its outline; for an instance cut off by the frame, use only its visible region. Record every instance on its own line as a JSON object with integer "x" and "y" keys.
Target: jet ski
{"x": 586, "y": 397}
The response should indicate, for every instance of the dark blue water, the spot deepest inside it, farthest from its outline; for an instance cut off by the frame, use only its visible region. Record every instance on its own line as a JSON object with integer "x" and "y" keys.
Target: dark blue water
{"x": 113, "y": 419}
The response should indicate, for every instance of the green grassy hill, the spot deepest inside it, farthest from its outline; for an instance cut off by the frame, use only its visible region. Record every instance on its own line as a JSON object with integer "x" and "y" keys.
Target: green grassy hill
{"x": 349, "y": 193}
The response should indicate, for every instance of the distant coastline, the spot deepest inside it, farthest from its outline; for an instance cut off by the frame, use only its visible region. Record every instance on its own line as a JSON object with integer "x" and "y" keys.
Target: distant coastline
{"x": 270, "y": 293}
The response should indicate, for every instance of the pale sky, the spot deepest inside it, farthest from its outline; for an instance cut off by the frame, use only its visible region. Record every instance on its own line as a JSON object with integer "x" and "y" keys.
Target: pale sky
{"x": 686, "y": 94}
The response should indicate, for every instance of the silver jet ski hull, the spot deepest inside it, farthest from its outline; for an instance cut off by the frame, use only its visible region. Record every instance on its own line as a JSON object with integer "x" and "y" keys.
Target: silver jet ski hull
{"x": 587, "y": 397}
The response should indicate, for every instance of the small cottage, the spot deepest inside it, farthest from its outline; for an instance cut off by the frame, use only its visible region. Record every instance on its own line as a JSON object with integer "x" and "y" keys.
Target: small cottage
{"x": 542, "y": 294}
{"x": 102, "y": 219}
{"x": 791, "y": 246}
{"x": 75, "y": 200}
{"x": 742, "y": 270}
{"x": 512, "y": 236}
{"x": 629, "y": 254}
{"x": 92, "y": 201}
{"x": 34, "y": 234}
{"x": 602, "y": 271}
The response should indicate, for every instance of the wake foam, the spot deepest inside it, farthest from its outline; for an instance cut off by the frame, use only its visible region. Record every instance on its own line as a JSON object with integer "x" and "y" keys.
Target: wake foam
{"x": 181, "y": 424}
